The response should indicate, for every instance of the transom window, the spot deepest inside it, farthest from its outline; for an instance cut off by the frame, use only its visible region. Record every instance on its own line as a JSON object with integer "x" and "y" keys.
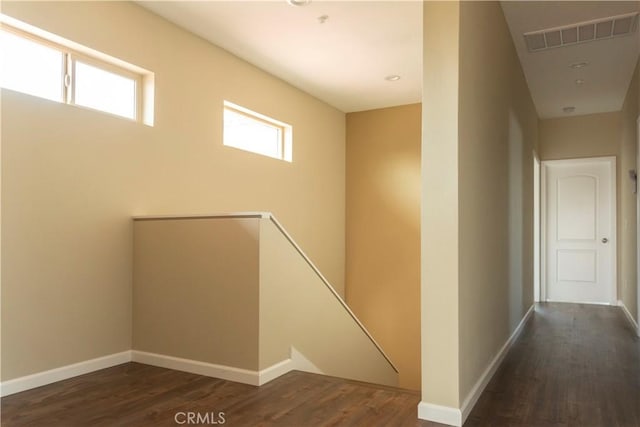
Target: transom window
{"x": 40, "y": 67}
{"x": 104, "y": 90}
{"x": 257, "y": 133}
{"x": 30, "y": 67}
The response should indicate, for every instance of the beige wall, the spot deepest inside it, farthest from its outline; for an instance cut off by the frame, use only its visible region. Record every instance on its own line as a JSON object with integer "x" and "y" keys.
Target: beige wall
{"x": 439, "y": 209}
{"x": 498, "y": 128}
{"x": 480, "y": 130}
{"x": 383, "y": 231}
{"x": 71, "y": 179}
{"x": 297, "y": 310}
{"x": 594, "y": 135}
{"x": 236, "y": 292}
{"x": 195, "y": 289}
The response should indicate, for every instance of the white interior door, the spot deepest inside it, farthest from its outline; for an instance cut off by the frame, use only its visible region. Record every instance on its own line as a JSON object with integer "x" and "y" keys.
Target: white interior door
{"x": 580, "y": 230}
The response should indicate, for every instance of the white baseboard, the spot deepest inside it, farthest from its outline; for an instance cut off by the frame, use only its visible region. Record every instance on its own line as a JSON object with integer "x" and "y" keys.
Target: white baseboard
{"x": 457, "y": 417}
{"x": 479, "y": 386}
{"x": 440, "y": 414}
{"x": 223, "y": 372}
{"x": 630, "y": 318}
{"x": 274, "y": 371}
{"x": 297, "y": 361}
{"x": 62, "y": 373}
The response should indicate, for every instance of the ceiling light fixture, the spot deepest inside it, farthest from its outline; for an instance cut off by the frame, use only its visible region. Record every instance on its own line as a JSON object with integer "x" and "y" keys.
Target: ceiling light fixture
{"x": 579, "y": 81}
{"x": 298, "y": 2}
{"x": 577, "y": 65}
{"x": 392, "y": 78}
{"x": 569, "y": 109}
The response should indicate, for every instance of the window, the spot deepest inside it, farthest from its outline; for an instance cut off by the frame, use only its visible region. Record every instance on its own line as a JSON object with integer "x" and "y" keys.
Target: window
{"x": 103, "y": 90}
{"x": 251, "y": 131}
{"x": 48, "y": 68}
{"x": 30, "y": 67}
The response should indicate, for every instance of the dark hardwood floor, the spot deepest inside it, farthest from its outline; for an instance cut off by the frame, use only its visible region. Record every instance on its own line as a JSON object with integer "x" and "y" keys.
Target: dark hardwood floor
{"x": 138, "y": 395}
{"x": 573, "y": 365}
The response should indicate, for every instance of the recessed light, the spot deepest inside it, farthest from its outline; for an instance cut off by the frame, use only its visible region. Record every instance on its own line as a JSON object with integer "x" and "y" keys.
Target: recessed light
{"x": 579, "y": 82}
{"x": 298, "y": 2}
{"x": 569, "y": 109}
{"x": 577, "y": 65}
{"x": 392, "y": 78}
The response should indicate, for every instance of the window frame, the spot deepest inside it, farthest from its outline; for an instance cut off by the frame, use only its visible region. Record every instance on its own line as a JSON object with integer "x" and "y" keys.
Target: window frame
{"x": 38, "y": 40}
{"x": 69, "y": 58}
{"x": 74, "y": 57}
{"x": 285, "y": 131}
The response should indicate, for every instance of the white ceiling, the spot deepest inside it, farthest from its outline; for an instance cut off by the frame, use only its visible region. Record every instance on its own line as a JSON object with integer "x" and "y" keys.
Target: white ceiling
{"x": 550, "y": 78}
{"x": 343, "y": 61}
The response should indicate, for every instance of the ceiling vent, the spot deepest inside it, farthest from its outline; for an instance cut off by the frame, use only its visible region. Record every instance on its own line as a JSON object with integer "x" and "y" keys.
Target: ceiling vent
{"x": 582, "y": 32}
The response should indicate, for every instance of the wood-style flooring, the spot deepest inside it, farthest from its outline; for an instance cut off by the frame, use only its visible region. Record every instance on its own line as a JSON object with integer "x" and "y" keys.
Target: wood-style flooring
{"x": 573, "y": 365}
{"x": 139, "y": 395}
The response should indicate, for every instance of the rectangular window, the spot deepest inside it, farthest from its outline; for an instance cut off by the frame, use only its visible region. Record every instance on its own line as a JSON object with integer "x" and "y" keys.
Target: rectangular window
{"x": 254, "y": 132}
{"x": 30, "y": 67}
{"x": 105, "y": 91}
{"x": 35, "y": 64}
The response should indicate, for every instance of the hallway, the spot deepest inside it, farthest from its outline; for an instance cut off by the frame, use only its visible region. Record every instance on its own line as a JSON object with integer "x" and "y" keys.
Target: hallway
{"x": 573, "y": 365}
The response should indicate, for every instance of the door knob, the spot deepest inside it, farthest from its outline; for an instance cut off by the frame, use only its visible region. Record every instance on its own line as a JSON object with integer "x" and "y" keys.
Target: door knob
{"x": 605, "y": 240}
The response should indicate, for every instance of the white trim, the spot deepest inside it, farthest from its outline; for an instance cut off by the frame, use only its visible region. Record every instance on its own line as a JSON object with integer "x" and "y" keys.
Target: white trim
{"x": 638, "y": 226}
{"x": 296, "y": 362}
{"x": 223, "y": 215}
{"x": 537, "y": 169}
{"x": 543, "y": 231}
{"x": 629, "y": 317}
{"x": 245, "y": 376}
{"x": 275, "y": 371}
{"x": 478, "y": 388}
{"x": 440, "y": 414}
{"x": 557, "y": 301}
{"x": 613, "y": 290}
{"x": 62, "y": 373}
{"x": 614, "y": 229}
{"x": 457, "y": 417}
{"x": 223, "y": 372}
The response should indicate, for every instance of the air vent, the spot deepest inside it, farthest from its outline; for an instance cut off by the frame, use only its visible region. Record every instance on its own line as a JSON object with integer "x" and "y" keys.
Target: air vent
{"x": 582, "y": 32}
